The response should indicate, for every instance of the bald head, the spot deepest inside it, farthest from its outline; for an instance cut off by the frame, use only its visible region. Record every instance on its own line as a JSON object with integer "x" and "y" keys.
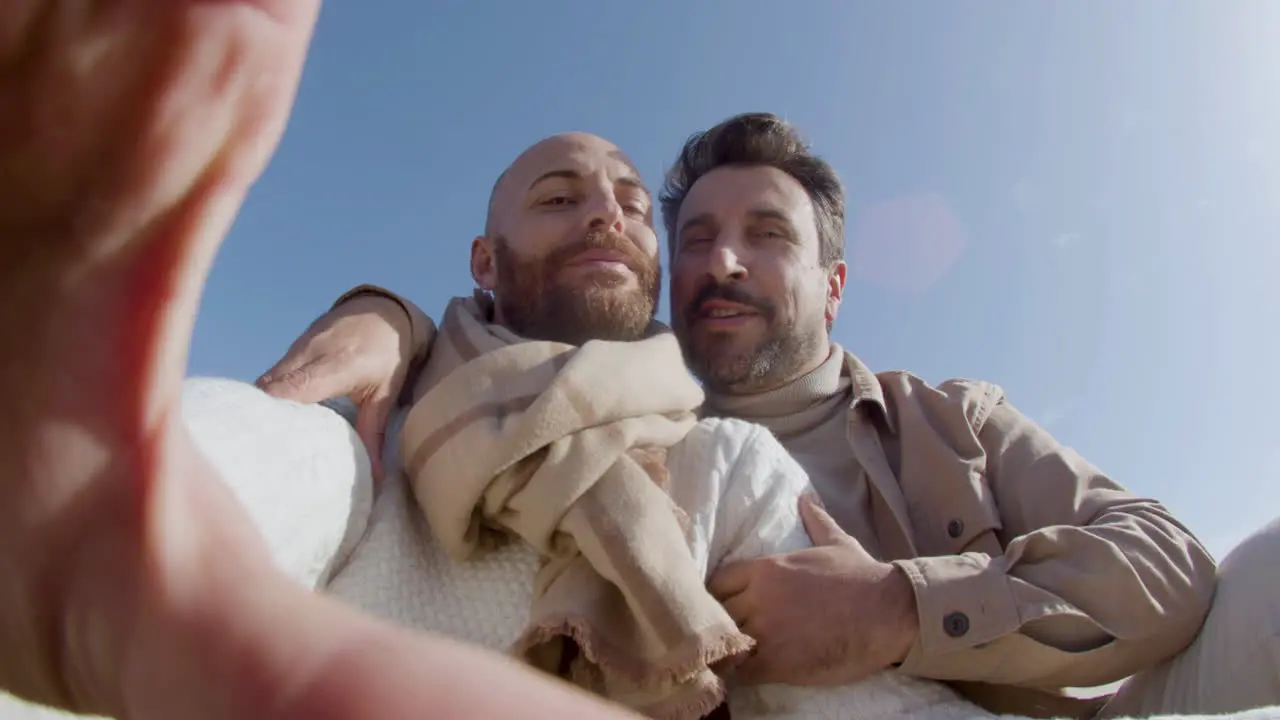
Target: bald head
{"x": 548, "y": 151}
{"x": 569, "y": 249}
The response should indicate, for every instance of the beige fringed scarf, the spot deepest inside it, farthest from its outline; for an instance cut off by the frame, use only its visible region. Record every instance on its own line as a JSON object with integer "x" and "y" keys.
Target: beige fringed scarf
{"x": 565, "y": 447}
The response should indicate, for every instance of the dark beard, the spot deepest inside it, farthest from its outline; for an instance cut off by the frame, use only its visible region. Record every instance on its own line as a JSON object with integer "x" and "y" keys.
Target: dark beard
{"x": 537, "y": 305}
{"x": 781, "y": 354}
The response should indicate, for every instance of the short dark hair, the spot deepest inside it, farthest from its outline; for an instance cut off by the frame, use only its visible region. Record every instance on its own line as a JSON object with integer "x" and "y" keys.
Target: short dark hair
{"x": 759, "y": 139}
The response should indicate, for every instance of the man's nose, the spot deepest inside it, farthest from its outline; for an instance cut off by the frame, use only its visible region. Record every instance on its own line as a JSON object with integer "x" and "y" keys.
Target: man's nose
{"x": 726, "y": 265}
{"x": 605, "y": 214}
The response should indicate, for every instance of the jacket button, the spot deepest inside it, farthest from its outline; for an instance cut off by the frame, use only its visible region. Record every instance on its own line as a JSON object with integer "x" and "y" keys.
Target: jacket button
{"x": 955, "y": 528}
{"x": 956, "y": 624}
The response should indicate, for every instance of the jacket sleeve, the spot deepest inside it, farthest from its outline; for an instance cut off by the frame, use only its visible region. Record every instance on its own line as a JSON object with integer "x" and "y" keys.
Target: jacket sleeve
{"x": 422, "y": 329}
{"x": 1094, "y": 582}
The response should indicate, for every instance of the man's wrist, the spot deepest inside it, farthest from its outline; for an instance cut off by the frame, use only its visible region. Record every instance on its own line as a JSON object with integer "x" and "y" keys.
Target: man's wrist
{"x": 375, "y": 297}
{"x": 908, "y": 625}
{"x": 384, "y": 307}
{"x": 416, "y": 339}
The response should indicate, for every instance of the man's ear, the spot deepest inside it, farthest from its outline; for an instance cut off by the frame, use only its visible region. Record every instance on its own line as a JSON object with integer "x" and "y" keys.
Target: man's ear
{"x": 835, "y": 290}
{"x": 484, "y": 265}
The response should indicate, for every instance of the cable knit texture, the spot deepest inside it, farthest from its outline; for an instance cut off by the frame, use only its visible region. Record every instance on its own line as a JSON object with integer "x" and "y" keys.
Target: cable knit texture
{"x": 301, "y": 473}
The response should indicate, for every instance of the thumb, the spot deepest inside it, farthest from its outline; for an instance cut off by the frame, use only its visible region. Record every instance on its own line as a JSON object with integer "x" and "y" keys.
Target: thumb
{"x": 371, "y": 426}
{"x": 822, "y": 528}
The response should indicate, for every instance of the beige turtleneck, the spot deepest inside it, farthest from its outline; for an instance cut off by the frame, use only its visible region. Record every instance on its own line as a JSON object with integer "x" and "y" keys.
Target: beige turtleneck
{"x": 809, "y": 417}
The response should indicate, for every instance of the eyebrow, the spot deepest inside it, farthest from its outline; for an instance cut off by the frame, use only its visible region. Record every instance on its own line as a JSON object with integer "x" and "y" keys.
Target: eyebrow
{"x": 759, "y": 213}
{"x": 634, "y": 183}
{"x": 565, "y": 174}
{"x": 703, "y": 219}
{"x": 630, "y": 181}
{"x": 768, "y": 213}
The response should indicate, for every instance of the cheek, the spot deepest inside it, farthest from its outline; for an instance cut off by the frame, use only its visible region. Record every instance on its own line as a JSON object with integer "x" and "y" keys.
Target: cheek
{"x": 773, "y": 286}
{"x": 646, "y": 239}
{"x": 542, "y": 234}
{"x": 685, "y": 275}
{"x": 526, "y": 245}
{"x": 807, "y": 299}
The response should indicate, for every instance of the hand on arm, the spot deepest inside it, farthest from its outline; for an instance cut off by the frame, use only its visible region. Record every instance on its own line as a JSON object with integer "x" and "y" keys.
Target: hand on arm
{"x": 362, "y": 349}
{"x": 828, "y": 615}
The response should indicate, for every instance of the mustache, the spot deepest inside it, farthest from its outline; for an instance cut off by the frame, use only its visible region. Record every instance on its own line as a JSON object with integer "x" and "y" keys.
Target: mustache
{"x": 632, "y": 256}
{"x": 729, "y": 293}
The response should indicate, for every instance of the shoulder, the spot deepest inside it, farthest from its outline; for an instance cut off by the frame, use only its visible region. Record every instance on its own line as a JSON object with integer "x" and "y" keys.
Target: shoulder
{"x": 729, "y": 453}
{"x": 727, "y": 431}
{"x": 298, "y": 470}
{"x": 909, "y": 398}
{"x": 726, "y": 443}
{"x": 247, "y": 409}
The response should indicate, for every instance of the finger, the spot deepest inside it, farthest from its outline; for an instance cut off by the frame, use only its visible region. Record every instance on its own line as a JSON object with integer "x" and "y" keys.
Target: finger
{"x": 822, "y": 528}
{"x": 730, "y": 579}
{"x": 295, "y": 357}
{"x": 269, "y": 379}
{"x": 316, "y": 381}
{"x": 760, "y": 668}
{"x": 191, "y": 117}
{"x": 371, "y": 426}
{"x": 739, "y": 608}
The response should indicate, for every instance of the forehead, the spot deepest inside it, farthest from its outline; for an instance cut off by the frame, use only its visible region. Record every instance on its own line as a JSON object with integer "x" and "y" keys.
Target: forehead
{"x": 570, "y": 154}
{"x": 731, "y": 192}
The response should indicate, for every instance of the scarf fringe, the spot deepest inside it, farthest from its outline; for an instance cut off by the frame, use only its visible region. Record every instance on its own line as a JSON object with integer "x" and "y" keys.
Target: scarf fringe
{"x": 726, "y": 648}
{"x": 679, "y": 707}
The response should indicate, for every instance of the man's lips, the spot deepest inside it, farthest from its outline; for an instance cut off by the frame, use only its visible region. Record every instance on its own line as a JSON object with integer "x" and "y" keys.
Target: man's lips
{"x": 601, "y": 258}
{"x": 724, "y": 314}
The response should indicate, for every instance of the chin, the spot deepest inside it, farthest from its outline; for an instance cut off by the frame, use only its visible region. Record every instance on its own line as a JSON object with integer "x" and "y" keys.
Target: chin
{"x": 725, "y": 343}
{"x": 718, "y": 358}
{"x": 726, "y": 376}
{"x": 607, "y": 277}
{"x": 619, "y": 290}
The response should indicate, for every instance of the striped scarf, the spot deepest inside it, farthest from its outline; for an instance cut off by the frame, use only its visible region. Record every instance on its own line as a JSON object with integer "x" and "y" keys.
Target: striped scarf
{"x": 564, "y": 447}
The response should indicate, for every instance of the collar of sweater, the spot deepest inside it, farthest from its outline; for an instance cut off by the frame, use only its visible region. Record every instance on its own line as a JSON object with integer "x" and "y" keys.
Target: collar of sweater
{"x": 796, "y": 407}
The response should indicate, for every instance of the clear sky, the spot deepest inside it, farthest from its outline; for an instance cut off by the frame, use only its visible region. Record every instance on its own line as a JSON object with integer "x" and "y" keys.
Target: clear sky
{"x": 1079, "y": 201}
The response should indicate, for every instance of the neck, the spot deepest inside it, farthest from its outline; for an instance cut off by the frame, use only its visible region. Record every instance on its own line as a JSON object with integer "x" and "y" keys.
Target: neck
{"x": 795, "y": 405}
{"x": 792, "y": 374}
{"x": 816, "y": 352}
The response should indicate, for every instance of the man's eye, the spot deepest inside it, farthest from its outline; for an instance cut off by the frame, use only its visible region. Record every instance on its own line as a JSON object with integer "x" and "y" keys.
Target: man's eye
{"x": 639, "y": 210}
{"x": 557, "y": 201}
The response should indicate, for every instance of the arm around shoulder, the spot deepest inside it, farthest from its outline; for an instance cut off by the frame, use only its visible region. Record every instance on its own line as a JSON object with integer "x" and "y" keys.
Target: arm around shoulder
{"x": 422, "y": 329}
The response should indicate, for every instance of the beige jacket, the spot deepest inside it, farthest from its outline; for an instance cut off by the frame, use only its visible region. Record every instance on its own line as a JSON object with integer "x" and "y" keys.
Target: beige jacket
{"x": 1030, "y": 566}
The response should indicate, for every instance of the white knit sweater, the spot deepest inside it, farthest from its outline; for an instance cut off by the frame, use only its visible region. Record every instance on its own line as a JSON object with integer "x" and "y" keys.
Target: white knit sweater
{"x": 301, "y": 474}
{"x": 740, "y": 489}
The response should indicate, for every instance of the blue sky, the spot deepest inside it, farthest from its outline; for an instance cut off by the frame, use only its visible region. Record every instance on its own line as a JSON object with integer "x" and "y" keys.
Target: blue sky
{"x": 1077, "y": 201}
